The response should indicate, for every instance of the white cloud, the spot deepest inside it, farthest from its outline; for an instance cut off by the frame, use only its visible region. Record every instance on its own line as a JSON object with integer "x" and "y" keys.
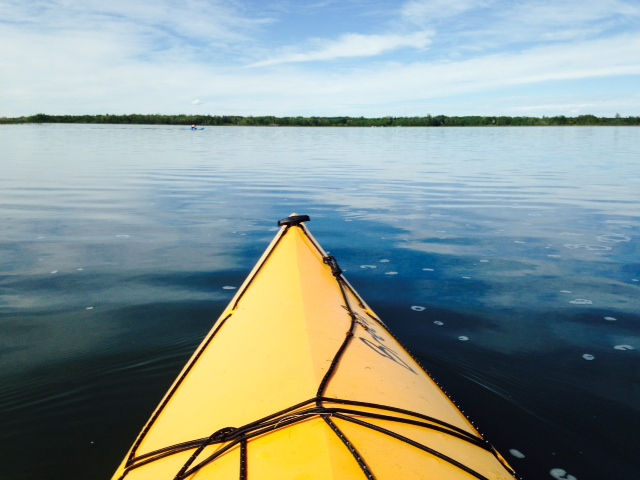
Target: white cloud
{"x": 553, "y": 13}
{"x": 64, "y": 85}
{"x": 150, "y": 28}
{"x": 118, "y": 57}
{"x": 598, "y": 58}
{"x": 474, "y": 27}
{"x": 426, "y": 11}
{"x": 421, "y": 83}
{"x": 353, "y": 45}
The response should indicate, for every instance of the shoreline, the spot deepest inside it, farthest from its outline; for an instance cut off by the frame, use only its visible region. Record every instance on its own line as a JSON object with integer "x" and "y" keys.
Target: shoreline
{"x": 339, "y": 121}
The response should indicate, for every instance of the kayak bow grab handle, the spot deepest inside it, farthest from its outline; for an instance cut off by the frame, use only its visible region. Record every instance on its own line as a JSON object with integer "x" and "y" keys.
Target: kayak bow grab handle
{"x": 293, "y": 220}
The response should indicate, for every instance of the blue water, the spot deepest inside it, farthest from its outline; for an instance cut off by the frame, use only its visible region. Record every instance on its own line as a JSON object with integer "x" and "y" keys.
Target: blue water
{"x": 506, "y": 259}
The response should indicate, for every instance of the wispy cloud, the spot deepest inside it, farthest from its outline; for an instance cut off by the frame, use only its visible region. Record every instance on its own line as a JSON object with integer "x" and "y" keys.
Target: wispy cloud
{"x": 62, "y": 56}
{"x": 426, "y": 11}
{"x": 422, "y": 84}
{"x": 562, "y": 20}
{"x": 150, "y": 28}
{"x": 553, "y": 13}
{"x": 352, "y": 45}
{"x": 476, "y": 27}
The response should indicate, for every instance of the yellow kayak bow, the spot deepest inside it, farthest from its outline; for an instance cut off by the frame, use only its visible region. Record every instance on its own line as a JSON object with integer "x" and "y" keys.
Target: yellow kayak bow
{"x": 299, "y": 379}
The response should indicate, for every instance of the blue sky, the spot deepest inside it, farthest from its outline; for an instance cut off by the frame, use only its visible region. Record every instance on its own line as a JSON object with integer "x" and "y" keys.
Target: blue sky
{"x": 320, "y": 57}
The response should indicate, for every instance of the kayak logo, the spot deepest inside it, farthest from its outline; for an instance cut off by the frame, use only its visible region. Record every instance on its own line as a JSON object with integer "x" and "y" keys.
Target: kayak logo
{"x": 375, "y": 342}
{"x": 387, "y": 353}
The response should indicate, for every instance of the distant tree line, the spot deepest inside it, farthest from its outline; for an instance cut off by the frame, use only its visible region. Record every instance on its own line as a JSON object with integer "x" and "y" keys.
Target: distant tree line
{"x": 428, "y": 121}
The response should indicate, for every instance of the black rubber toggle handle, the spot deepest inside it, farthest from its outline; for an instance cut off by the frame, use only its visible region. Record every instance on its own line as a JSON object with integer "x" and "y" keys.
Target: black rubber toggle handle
{"x": 293, "y": 220}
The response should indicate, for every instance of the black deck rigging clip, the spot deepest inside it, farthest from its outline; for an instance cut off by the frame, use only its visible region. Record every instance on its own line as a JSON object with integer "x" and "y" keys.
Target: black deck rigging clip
{"x": 333, "y": 263}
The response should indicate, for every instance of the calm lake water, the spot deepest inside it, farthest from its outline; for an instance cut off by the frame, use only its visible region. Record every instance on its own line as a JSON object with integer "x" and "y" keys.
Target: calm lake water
{"x": 506, "y": 259}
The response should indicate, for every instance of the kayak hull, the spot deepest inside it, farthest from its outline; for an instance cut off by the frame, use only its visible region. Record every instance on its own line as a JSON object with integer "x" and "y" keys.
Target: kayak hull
{"x": 299, "y": 379}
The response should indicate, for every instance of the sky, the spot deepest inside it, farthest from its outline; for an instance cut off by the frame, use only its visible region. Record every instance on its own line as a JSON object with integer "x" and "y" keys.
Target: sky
{"x": 367, "y": 58}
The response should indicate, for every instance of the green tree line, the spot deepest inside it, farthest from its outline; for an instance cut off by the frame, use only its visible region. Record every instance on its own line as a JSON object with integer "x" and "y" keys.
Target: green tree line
{"x": 427, "y": 121}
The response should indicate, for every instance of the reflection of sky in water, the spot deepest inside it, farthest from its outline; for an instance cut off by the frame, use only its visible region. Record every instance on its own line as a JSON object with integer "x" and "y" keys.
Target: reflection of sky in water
{"x": 505, "y": 218}
{"x": 472, "y": 244}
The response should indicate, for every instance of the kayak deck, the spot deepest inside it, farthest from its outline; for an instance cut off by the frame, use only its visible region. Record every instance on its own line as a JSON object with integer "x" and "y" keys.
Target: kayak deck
{"x": 298, "y": 379}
